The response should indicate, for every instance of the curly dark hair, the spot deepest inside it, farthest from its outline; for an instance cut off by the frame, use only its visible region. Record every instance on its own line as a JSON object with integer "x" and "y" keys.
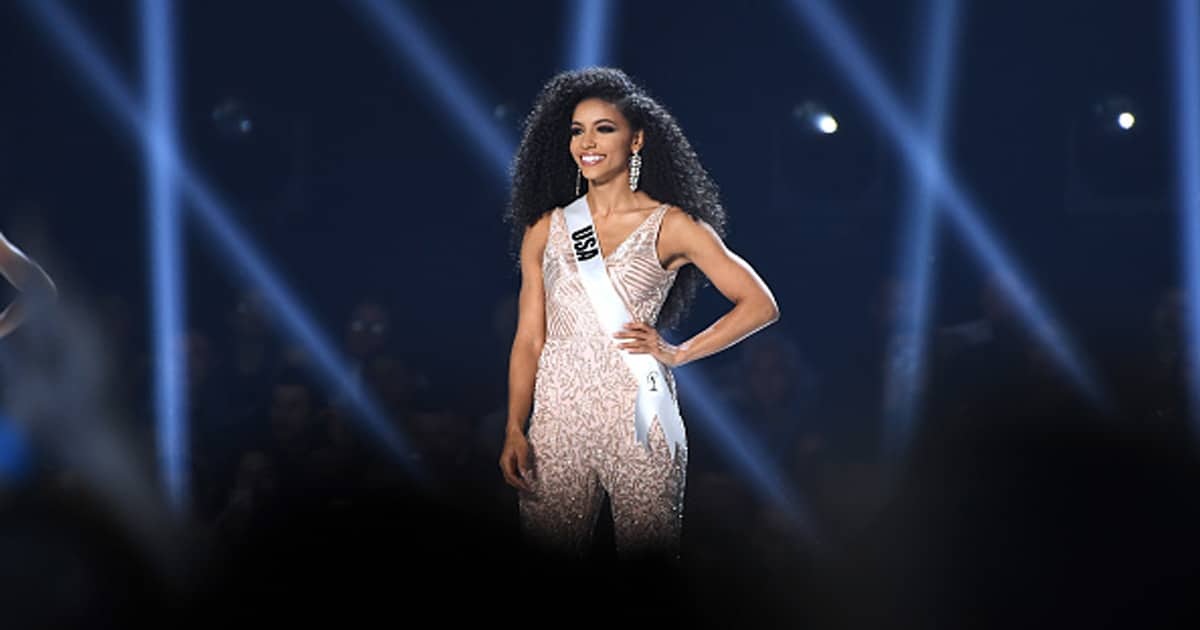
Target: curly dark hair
{"x": 543, "y": 172}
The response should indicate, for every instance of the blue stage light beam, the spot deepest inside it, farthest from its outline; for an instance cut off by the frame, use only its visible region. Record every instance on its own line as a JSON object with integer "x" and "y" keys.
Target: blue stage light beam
{"x": 332, "y": 364}
{"x": 589, "y": 34}
{"x": 919, "y": 244}
{"x": 831, "y": 32}
{"x": 1185, "y": 15}
{"x": 165, "y": 250}
{"x": 407, "y": 36}
{"x": 721, "y": 423}
{"x": 100, "y": 75}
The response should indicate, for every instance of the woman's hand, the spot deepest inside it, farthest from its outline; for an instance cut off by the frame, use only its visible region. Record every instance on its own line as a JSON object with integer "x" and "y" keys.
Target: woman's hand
{"x": 644, "y": 339}
{"x": 516, "y": 461}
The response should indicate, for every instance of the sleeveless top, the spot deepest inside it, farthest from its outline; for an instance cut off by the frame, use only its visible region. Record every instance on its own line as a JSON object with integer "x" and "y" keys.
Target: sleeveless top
{"x": 633, "y": 266}
{"x": 583, "y": 388}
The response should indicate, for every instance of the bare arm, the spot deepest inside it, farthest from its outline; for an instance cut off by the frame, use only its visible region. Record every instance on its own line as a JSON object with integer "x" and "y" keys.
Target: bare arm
{"x": 754, "y": 306}
{"x": 531, "y": 327}
{"x": 28, "y": 278}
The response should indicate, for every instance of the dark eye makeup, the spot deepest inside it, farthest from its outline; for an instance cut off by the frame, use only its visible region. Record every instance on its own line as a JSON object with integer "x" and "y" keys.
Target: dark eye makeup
{"x": 605, "y": 128}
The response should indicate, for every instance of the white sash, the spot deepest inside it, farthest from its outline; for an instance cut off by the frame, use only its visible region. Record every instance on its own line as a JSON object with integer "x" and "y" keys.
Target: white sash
{"x": 653, "y": 398}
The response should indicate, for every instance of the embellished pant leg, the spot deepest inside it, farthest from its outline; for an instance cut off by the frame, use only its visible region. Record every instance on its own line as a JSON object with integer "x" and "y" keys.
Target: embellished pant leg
{"x": 646, "y": 489}
{"x": 559, "y": 515}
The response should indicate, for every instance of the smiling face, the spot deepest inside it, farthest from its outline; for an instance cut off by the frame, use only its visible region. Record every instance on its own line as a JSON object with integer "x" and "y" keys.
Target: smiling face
{"x": 602, "y": 140}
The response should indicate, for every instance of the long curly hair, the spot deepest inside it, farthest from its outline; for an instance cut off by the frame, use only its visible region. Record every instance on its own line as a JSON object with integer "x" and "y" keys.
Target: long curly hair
{"x": 543, "y": 171}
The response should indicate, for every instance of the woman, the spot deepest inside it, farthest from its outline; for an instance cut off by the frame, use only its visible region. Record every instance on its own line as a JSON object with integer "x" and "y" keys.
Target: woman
{"x": 638, "y": 200}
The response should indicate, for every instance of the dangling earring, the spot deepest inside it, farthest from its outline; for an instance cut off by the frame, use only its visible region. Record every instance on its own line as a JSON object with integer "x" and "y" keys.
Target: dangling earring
{"x": 635, "y": 169}
{"x": 578, "y": 177}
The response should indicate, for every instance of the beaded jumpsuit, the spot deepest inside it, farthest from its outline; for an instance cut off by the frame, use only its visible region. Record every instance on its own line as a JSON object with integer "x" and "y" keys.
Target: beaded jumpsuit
{"x": 581, "y": 429}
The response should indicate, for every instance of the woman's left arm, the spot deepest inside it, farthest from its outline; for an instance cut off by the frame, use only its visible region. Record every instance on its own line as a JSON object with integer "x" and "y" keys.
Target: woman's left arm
{"x": 28, "y": 278}
{"x": 754, "y": 306}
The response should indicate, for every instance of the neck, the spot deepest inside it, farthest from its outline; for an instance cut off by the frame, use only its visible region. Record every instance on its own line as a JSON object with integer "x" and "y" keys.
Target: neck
{"x": 605, "y": 198}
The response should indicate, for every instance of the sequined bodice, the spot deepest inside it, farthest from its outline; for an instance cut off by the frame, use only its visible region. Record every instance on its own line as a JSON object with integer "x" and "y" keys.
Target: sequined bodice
{"x": 633, "y": 267}
{"x": 582, "y": 430}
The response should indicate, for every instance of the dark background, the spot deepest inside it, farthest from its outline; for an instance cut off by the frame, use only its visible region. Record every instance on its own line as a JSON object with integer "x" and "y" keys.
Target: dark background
{"x": 353, "y": 182}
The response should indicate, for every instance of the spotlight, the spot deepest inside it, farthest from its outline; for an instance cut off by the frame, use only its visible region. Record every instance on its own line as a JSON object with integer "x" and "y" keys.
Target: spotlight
{"x": 252, "y": 149}
{"x": 1119, "y": 151}
{"x": 217, "y": 216}
{"x": 815, "y": 117}
{"x": 165, "y": 244}
{"x": 1115, "y": 113}
{"x": 907, "y": 353}
{"x": 827, "y": 123}
{"x": 1185, "y": 18}
{"x": 815, "y": 152}
{"x": 411, "y": 41}
{"x": 829, "y": 29}
{"x": 232, "y": 118}
{"x": 591, "y": 33}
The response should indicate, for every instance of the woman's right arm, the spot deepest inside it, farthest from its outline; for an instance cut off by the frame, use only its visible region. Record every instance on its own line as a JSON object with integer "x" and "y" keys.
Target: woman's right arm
{"x": 28, "y": 278}
{"x": 526, "y": 348}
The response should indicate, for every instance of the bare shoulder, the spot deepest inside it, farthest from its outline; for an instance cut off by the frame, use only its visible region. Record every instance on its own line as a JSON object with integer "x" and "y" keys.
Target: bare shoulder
{"x": 678, "y": 225}
{"x": 7, "y": 250}
{"x": 538, "y": 233}
{"x": 684, "y": 238}
{"x": 541, "y": 227}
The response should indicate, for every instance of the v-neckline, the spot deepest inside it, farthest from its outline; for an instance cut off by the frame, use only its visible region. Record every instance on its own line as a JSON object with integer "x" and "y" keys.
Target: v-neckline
{"x": 627, "y": 237}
